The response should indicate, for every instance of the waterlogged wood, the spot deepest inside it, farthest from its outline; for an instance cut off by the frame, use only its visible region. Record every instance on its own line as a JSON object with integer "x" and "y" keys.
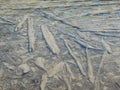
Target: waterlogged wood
{"x": 108, "y": 35}
{"x": 9, "y": 66}
{"x": 115, "y": 78}
{"x": 70, "y": 71}
{"x": 1, "y": 73}
{"x": 75, "y": 58}
{"x": 67, "y": 82}
{"x": 31, "y": 37}
{"x": 78, "y": 84}
{"x": 50, "y": 40}
{"x": 4, "y": 20}
{"x": 101, "y": 63}
{"x": 2, "y": 43}
{"x": 20, "y": 24}
{"x": 58, "y": 88}
{"x": 66, "y": 18}
{"x": 106, "y": 46}
{"x": 40, "y": 62}
{"x": 105, "y": 88}
{"x": 90, "y": 68}
{"x": 84, "y": 44}
{"x": 57, "y": 68}
{"x": 104, "y": 11}
{"x": 97, "y": 82}
{"x": 6, "y": 23}
{"x": 54, "y": 18}
{"x": 112, "y": 78}
{"x": 81, "y": 42}
{"x": 52, "y": 4}
{"x": 43, "y": 82}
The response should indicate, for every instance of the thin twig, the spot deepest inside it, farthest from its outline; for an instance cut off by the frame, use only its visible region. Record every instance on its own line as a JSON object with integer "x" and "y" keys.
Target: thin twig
{"x": 75, "y": 58}
{"x": 106, "y": 46}
{"x": 31, "y": 37}
{"x": 90, "y": 68}
{"x": 98, "y": 72}
{"x": 19, "y": 25}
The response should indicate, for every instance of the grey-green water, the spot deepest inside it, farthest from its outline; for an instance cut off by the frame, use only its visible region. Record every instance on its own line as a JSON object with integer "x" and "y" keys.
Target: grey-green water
{"x": 59, "y": 45}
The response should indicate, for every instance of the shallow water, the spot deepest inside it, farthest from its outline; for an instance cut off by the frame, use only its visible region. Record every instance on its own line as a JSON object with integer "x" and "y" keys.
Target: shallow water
{"x": 59, "y": 45}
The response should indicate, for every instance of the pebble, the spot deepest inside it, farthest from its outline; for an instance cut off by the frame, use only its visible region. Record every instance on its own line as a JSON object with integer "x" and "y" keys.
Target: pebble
{"x": 25, "y": 68}
{"x": 40, "y": 62}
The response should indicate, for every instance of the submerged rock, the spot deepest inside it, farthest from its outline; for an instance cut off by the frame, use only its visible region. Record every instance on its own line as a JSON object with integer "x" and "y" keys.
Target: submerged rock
{"x": 40, "y": 62}
{"x": 25, "y": 68}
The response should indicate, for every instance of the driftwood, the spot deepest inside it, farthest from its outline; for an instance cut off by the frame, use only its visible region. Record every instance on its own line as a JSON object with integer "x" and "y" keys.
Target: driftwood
{"x": 11, "y": 42}
{"x": 43, "y": 82}
{"x": 81, "y": 42}
{"x": 108, "y": 35}
{"x": 75, "y": 58}
{"x": 31, "y": 37}
{"x": 20, "y": 24}
{"x": 50, "y": 40}
{"x": 11, "y": 67}
{"x": 67, "y": 82}
{"x": 57, "y": 68}
{"x": 106, "y": 46}
{"x": 6, "y": 21}
{"x": 96, "y": 12}
{"x": 85, "y": 45}
{"x": 99, "y": 69}
{"x": 50, "y": 73}
{"x": 90, "y": 68}
{"x": 39, "y": 62}
{"x": 54, "y": 4}
{"x": 69, "y": 71}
